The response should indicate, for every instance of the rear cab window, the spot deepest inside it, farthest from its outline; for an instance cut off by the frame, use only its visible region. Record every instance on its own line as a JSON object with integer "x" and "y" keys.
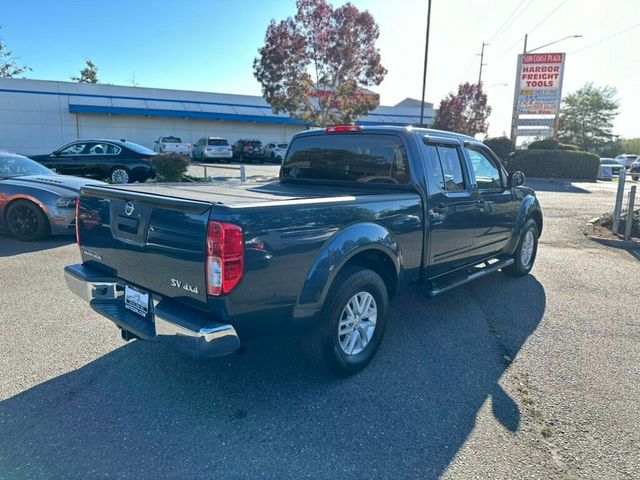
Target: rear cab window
{"x": 359, "y": 157}
{"x": 171, "y": 140}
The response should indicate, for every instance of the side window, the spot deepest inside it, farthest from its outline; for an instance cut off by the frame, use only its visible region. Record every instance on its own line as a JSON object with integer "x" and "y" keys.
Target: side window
{"x": 486, "y": 172}
{"x": 435, "y": 178}
{"x": 103, "y": 149}
{"x": 75, "y": 149}
{"x": 446, "y": 166}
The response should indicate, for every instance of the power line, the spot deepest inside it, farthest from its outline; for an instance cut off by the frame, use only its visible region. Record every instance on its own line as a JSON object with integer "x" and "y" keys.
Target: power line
{"x": 544, "y": 19}
{"x": 548, "y": 15}
{"x": 505, "y": 22}
{"x": 509, "y": 21}
{"x": 606, "y": 39}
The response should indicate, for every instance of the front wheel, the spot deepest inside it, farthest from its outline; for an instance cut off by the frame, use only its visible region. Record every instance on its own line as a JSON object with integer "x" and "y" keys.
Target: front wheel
{"x": 351, "y": 324}
{"x": 26, "y": 221}
{"x": 525, "y": 254}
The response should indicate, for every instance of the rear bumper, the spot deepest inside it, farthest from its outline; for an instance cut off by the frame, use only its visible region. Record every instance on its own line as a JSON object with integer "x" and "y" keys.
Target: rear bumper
{"x": 184, "y": 328}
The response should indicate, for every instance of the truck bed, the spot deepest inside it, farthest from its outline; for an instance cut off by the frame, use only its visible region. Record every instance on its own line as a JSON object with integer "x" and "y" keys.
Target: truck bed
{"x": 248, "y": 194}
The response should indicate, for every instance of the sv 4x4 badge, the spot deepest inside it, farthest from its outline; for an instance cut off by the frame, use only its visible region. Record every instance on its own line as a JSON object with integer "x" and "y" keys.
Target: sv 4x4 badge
{"x": 184, "y": 286}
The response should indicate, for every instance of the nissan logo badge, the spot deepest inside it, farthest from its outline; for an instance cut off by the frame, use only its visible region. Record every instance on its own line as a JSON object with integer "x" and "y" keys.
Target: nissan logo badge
{"x": 129, "y": 208}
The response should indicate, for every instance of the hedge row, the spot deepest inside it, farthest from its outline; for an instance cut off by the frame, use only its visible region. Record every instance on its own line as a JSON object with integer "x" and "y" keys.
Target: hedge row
{"x": 170, "y": 167}
{"x": 550, "y": 144}
{"x": 556, "y": 164}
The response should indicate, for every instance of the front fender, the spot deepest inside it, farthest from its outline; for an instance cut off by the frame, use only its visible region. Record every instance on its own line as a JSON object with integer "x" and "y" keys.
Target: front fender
{"x": 527, "y": 207}
{"x": 336, "y": 253}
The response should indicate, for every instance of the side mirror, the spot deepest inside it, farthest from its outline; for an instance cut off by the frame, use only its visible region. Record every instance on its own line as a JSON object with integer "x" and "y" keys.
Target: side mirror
{"x": 515, "y": 179}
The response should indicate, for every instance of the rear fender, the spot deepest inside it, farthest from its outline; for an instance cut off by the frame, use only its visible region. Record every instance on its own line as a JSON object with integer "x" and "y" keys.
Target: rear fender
{"x": 338, "y": 250}
{"x": 529, "y": 205}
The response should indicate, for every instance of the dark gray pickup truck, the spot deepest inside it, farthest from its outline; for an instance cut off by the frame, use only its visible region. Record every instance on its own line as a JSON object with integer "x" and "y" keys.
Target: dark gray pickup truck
{"x": 356, "y": 213}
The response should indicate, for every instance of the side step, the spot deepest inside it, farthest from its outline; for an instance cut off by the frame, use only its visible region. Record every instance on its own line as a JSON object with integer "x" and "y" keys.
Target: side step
{"x": 455, "y": 279}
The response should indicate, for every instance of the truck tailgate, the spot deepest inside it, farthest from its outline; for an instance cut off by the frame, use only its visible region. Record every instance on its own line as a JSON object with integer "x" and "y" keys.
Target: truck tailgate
{"x": 154, "y": 242}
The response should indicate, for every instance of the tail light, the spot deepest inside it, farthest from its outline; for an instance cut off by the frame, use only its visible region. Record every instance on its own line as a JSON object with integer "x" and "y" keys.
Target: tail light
{"x": 343, "y": 128}
{"x": 225, "y": 257}
{"x": 78, "y": 220}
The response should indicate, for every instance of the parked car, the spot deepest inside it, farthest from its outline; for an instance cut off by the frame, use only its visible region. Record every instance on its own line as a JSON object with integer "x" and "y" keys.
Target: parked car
{"x": 171, "y": 145}
{"x": 117, "y": 160}
{"x": 635, "y": 170}
{"x": 626, "y": 159}
{"x": 34, "y": 201}
{"x": 212, "y": 148}
{"x": 357, "y": 213}
{"x": 251, "y": 150}
{"x": 275, "y": 151}
{"x": 615, "y": 165}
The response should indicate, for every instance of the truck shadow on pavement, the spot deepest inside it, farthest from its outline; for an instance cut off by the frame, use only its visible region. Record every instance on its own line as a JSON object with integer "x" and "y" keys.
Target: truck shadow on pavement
{"x": 10, "y": 246}
{"x": 143, "y": 411}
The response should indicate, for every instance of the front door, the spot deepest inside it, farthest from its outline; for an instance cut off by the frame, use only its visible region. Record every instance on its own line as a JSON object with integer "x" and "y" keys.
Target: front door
{"x": 498, "y": 207}
{"x": 452, "y": 207}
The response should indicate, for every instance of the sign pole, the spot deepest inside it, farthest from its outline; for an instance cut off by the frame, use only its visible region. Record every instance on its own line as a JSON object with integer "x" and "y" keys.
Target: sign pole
{"x": 514, "y": 112}
{"x": 556, "y": 121}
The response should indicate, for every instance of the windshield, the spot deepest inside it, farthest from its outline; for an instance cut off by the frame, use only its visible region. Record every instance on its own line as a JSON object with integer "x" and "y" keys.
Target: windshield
{"x": 139, "y": 148}
{"x": 15, "y": 166}
{"x": 218, "y": 141}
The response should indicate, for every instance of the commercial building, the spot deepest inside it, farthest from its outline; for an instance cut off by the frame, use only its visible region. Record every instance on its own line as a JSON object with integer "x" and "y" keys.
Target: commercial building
{"x": 38, "y": 116}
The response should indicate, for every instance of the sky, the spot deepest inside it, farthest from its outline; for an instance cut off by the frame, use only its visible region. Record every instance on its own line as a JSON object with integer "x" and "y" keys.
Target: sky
{"x": 210, "y": 45}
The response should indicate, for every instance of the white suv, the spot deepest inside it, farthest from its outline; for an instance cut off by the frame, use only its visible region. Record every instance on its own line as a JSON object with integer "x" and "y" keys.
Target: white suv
{"x": 626, "y": 159}
{"x": 212, "y": 148}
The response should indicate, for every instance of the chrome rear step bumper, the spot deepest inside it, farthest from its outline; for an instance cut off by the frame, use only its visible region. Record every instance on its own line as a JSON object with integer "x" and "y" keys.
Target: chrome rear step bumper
{"x": 186, "y": 329}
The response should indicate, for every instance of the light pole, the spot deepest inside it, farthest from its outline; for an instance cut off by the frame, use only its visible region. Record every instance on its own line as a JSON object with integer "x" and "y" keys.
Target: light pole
{"x": 547, "y": 44}
{"x": 426, "y": 54}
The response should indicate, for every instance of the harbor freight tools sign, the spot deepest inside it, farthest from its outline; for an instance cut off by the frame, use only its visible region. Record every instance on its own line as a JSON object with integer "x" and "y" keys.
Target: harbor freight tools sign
{"x": 540, "y": 83}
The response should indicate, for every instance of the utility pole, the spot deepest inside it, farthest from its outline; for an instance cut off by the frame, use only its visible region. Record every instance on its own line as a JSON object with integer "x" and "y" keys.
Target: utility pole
{"x": 481, "y": 60}
{"x": 424, "y": 73}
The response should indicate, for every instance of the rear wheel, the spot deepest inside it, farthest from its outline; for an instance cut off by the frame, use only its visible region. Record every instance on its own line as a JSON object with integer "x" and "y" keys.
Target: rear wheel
{"x": 120, "y": 175}
{"x": 525, "y": 254}
{"x": 352, "y": 323}
{"x": 26, "y": 221}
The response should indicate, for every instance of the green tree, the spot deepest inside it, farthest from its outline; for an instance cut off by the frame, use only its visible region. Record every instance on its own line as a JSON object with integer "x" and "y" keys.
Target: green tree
{"x": 501, "y": 146}
{"x": 465, "y": 112}
{"x": 8, "y": 66}
{"x": 316, "y": 65}
{"x": 586, "y": 117}
{"x": 89, "y": 74}
{"x": 630, "y": 145}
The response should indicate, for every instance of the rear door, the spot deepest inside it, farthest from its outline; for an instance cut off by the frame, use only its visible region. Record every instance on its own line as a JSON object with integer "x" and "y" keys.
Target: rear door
{"x": 452, "y": 206}
{"x": 153, "y": 242}
{"x": 498, "y": 208}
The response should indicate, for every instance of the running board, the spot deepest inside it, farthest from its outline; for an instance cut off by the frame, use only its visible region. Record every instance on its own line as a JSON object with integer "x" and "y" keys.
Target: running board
{"x": 447, "y": 282}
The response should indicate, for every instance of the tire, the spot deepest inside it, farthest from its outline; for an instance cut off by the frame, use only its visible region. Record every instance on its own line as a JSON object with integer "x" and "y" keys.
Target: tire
{"x": 635, "y": 178}
{"x": 524, "y": 261}
{"x": 26, "y": 221}
{"x": 328, "y": 349}
{"x": 120, "y": 175}
{"x": 273, "y": 158}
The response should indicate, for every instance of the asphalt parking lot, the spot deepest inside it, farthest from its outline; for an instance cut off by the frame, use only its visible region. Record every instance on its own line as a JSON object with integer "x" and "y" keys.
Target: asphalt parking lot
{"x": 535, "y": 377}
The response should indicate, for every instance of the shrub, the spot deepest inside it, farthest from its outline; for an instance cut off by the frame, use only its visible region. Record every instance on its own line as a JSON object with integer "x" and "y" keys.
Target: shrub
{"x": 550, "y": 143}
{"x": 170, "y": 167}
{"x": 501, "y": 146}
{"x": 545, "y": 144}
{"x": 556, "y": 164}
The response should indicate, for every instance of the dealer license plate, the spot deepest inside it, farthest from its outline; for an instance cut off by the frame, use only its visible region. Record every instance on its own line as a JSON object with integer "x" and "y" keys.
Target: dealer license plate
{"x": 136, "y": 301}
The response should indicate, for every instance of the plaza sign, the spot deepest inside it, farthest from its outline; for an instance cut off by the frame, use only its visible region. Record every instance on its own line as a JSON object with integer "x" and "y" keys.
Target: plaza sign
{"x": 538, "y": 92}
{"x": 540, "y": 83}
